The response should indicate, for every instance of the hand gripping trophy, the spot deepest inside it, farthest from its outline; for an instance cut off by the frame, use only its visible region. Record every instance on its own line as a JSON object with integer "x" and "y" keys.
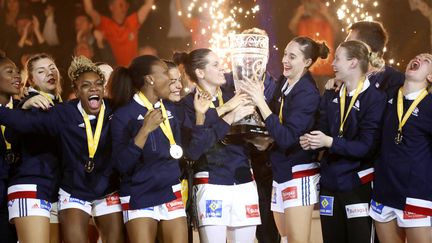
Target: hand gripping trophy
{"x": 249, "y": 56}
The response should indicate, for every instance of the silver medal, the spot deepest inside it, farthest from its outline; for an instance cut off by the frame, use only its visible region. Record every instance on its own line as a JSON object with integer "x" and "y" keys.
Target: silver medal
{"x": 176, "y": 151}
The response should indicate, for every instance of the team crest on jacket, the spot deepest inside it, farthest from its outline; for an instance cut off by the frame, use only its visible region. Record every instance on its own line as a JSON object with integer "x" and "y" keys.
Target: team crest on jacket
{"x": 390, "y": 101}
{"x": 140, "y": 117}
{"x": 415, "y": 111}
{"x": 357, "y": 105}
{"x": 335, "y": 100}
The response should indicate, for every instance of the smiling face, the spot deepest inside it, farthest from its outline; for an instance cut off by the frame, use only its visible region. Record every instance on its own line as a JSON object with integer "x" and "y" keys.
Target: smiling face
{"x": 420, "y": 68}
{"x": 294, "y": 62}
{"x": 341, "y": 64}
{"x": 175, "y": 84}
{"x": 161, "y": 80}
{"x": 44, "y": 75}
{"x": 213, "y": 72}
{"x": 119, "y": 9}
{"x": 89, "y": 89}
{"x": 10, "y": 78}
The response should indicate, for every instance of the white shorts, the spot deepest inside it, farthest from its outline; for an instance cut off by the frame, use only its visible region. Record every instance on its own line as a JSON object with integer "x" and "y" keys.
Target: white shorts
{"x": 302, "y": 191}
{"x": 23, "y": 207}
{"x": 22, "y": 202}
{"x": 233, "y": 205}
{"x": 404, "y": 219}
{"x": 166, "y": 211}
{"x": 107, "y": 205}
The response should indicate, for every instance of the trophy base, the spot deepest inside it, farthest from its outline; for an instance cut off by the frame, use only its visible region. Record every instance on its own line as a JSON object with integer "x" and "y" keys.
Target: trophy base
{"x": 238, "y": 133}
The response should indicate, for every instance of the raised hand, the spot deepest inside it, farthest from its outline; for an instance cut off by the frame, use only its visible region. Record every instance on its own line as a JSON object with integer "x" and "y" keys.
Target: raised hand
{"x": 152, "y": 120}
{"x": 202, "y": 102}
{"x": 234, "y": 102}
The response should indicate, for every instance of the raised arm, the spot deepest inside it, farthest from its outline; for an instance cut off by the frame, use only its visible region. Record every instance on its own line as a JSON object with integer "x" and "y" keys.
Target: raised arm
{"x": 94, "y": 15}
{"x": 144, "y": 10}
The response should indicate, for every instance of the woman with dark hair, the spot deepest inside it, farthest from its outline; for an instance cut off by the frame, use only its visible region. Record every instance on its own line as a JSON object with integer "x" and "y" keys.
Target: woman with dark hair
{"x": 10, "y": 84}
{"x": 293, "y": 113}
{"x": 35, "y": 181}
{"x": 348, "y": 132}
{"x": 225, "y": 193}
{"x": 87, "y": 185}
{"x": 147, "y": 146}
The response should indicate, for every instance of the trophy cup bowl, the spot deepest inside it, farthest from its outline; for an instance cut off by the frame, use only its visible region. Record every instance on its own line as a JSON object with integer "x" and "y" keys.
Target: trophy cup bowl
{"x": 249, "y": 56}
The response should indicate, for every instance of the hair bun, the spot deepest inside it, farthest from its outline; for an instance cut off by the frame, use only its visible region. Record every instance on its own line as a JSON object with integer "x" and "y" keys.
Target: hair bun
{"x": 323, "y": 50}
{"x": 180, "y": 58}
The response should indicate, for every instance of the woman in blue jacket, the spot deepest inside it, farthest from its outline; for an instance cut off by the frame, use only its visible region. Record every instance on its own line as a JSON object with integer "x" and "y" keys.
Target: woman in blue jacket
{"x": 88, "y": 183}
{"x": 295, "y": 107}
{"x": 402, "y": 194}
{"x": 348, "y": 131}
{"x": 10, "y": 84}
{"x": 147, "y": 142}
{"x": 225, "y": 193}
{"x": 35, "y": 180}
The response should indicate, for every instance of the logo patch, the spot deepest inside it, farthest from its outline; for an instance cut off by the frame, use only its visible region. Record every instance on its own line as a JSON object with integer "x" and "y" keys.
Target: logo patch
{"x": 112, "y": 199}
{"x": 357, "y": 105}
{"x": 289, "y": 193}
{"x": 357, "y": 210}
{"x": 76, "y": 200}
{"x": 326, "y": 205}
{"x": 175, "y": 205}
{"x": 252, "y": 211}
{"x": 213, "y": 208}
{"x": 140, "y": 117}
{"x": 377, "y": 207}
{"x": 10, "y": 203}
{"x": 409, "y": 215}
{"x": 415, "y": 111}
{"x": 335, "y": 100}
{"x": 35, "y": 206}
{"x": 45, "y": 205}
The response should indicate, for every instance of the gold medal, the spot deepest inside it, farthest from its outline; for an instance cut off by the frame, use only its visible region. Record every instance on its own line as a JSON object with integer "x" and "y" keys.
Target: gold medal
{"x": 398, "y": 138}
{"x": 10, "y": 157}
{"x": 89, "y": 166}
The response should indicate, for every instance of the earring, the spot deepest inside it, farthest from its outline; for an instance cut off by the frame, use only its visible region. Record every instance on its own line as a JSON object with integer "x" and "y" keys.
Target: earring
{"x": 151, "y": 83}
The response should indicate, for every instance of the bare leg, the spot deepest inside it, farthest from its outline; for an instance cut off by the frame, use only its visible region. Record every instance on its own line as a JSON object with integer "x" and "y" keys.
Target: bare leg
{"x": 173, "y": 231}
{"x": 74, "y": 225}
{"x": 142, "y": 230}
{"x": 111, "y": 227}
{"x": 298, "y": 223}
{"x": 390, "y": 232}
{"x": 33, "y": 229}
{"x": 419, "y": 234}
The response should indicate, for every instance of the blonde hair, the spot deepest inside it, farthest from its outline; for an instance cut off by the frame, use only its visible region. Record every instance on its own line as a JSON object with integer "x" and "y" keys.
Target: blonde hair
{"x": 80, "y": 65}
{"x": 29, "y": 66}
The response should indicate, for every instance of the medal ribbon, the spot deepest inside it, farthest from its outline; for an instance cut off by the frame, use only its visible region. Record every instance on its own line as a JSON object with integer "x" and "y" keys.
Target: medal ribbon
{"x": 3, "y": 128}
{"x": 49, "y": 97}
{"x": 93, "y": 141}
{"x": 344, "y": 117}
{"x": 219, "y": 96}
{"x": 165, "y": 125}
{"x": 417, "y": 100}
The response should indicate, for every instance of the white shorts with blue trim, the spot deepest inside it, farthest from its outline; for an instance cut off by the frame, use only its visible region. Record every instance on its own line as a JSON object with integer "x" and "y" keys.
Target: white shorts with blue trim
{"x": 404, "y": 219}
{"x": 228, "y": 205}
{"x": 107, "y": 205}
{"x": 166, "y": 211}
{"x": 302, "y": 191}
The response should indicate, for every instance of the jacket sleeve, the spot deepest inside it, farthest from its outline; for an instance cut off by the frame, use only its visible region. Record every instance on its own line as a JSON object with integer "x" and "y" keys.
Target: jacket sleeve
{"x": 198, "y": 139}
{"x": 296, "y": 122}
{"x": 36, "y": 121}
{"x": 368, "y": 135}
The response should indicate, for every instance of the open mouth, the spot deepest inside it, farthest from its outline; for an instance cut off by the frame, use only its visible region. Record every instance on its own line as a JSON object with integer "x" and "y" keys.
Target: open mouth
{"x": 94, "y": 101}
{"x": 17, "y": 84}
{"x": 415, "y": 65}
{"x": 51, "y": 81}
